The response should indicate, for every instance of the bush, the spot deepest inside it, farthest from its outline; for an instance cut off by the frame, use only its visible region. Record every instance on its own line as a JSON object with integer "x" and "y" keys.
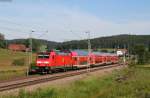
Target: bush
{"x": 19, "y": 62}
{"x": 104, "y": 50}
{"x": 2, "y": 44}
{"x": 142, "y": 54}
{"x": 33, "y": 64}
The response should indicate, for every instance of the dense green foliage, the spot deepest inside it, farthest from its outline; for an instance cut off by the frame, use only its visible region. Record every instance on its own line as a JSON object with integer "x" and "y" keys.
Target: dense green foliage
{"x": 1, "y": 37}
{"x": 19, "y": 62}
{"x": 118, "y": 41}
{"x": 2, "y": 41}
{"x": 142, "y": 53}
{"x": 36, "y": 43}
{"x": 2, "y": 44}
{"x": 127, "y": 83}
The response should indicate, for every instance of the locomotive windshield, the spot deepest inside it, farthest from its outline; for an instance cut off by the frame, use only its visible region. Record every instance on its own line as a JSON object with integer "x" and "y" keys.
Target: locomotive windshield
{"x": 43, "y": 56}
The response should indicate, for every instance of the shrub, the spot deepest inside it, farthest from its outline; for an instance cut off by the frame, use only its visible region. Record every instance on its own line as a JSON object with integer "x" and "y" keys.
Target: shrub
{"x": 33, "y": 64}
{"x": 104, "y": 50}
{"x": 19, "y": 62}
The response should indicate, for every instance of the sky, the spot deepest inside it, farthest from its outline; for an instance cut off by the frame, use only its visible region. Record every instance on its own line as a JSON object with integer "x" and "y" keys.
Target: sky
{"x": 64, "y": 20}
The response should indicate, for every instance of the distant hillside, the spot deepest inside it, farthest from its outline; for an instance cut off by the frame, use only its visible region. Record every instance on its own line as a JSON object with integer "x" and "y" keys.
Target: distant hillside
{"x": 36, "y": 42}
{"x": 118, "y": 41}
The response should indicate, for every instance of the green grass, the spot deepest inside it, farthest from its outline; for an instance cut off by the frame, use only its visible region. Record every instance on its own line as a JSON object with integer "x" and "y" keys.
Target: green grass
{"x": 7, "y": 57}
{"x": 127, "y": 83}
{"x": 6, "y": 75}
{"x": 7, "y": 70}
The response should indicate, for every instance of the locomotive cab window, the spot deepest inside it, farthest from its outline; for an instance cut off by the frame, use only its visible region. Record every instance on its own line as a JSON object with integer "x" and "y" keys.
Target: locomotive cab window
{"x": 43, "y": 56}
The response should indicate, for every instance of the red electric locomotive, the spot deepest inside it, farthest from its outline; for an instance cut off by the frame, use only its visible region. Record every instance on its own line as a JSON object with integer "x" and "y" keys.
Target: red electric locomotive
{"x": 51, "y": 61}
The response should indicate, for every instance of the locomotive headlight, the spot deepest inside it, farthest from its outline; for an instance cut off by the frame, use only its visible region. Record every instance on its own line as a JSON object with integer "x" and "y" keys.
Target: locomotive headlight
{"x": 39, "y": 62}
{"x": 46, "y": 62}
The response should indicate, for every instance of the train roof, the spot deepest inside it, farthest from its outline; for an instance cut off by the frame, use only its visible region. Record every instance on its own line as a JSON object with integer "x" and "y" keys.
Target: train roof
{"x": 85, "y": 53}
{"x": 97, "y": 53}
{"x": 62, "y": 53}
{"x": 104, "y": 54}
{"x": 81, "y": 52}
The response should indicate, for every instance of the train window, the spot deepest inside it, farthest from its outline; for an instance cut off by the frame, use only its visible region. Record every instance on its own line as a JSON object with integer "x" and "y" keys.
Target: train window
{"x": 43, "y": 56}
{"x": 75, "y": 58}
{"x": 62, "y": 53}
{"x": 53, "y": 57}
{"x": 90, "y": 58}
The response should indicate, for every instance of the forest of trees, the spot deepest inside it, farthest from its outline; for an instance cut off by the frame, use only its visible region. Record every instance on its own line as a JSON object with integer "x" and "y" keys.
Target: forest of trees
{"x": 142, "y": 54}
{"x": 36, "y": 43}
{"x": 2, "y": 41}
{"x": 118, "y": 41}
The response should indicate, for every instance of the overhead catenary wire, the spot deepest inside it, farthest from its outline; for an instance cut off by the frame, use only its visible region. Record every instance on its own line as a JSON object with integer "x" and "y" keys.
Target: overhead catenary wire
{"x": 26, "y": 26}
{"x": 18, "y": 27}
{"x": 82, "y": 39}
{"x": 12, "y": 29}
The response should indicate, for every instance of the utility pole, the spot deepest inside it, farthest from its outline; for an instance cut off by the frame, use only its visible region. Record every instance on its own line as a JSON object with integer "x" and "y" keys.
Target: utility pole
{"x": 30, "y": 48}
{"x": 6, "y": 44}
{"x": 30, "y": 52}
{"x": 89, "y": 50}
{"x": 124, "y": 55}
{"x": 129, "y": 50}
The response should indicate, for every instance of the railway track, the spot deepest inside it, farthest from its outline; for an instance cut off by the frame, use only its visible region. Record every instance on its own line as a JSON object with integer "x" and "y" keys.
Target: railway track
{"x": 9, "y": 85}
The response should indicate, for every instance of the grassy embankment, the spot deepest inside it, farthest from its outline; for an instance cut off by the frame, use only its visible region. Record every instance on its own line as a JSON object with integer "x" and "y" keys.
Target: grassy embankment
{"x": 7, "y": 69}
{"x": 127, "y": 83}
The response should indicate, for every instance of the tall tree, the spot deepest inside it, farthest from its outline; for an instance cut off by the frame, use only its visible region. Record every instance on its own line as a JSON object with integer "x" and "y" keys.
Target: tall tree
{"x": 2, "y": 41}
{"x": 142, "y": 53}
{"x": 149, "y": 47}
{"x": 1, "y": 36}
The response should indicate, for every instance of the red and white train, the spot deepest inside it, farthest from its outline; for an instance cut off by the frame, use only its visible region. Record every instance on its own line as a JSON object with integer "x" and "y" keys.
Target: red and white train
{"x": 47, "y": 62}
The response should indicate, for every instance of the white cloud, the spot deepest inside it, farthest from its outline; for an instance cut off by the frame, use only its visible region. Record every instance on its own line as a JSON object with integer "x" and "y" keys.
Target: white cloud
{"x": 59, "y": 21}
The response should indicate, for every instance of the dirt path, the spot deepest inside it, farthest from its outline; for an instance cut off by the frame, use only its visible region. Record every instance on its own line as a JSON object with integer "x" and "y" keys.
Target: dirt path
{"x": 62, "y": 82}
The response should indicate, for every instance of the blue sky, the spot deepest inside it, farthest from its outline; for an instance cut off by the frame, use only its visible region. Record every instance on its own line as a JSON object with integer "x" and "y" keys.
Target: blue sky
{"x": 69, "y": 19}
